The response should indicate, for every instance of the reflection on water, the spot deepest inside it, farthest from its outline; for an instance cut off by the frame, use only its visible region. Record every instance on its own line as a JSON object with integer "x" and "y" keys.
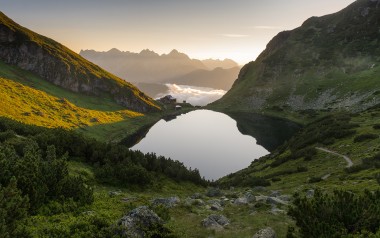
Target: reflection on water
{"x": 213, "y": 142}
{"x": 270, "y": 132}
{"x": 206, "y": 140}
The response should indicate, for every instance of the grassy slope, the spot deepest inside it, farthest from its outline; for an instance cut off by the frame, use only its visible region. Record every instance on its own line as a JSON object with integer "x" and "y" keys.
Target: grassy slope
{"x": 324, "y": 163}
{"x": 34, "y": 81}
{"x": 36, "y": 107}
{"x": 80, "y": 68}
{"x": 313, "y": 63}
{"x": 25, "y": 92}
{"x": 185, "y": 220}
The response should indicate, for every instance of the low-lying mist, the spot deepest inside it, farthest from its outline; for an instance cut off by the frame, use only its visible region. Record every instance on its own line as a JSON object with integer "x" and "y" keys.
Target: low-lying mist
{"x": 196, "y": 96}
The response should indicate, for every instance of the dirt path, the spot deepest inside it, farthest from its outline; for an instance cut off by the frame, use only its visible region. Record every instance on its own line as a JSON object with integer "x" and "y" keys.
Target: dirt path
{"x": 348, "y": 160}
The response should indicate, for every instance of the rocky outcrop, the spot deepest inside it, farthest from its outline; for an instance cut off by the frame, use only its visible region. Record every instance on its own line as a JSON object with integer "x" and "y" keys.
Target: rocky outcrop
{"x": 140, "y": 221}
{"x": 166, "y": 202}
{"x": 61, "y": 66}
{"x": 216, "y": 222}
{"x": 214, "y": 192}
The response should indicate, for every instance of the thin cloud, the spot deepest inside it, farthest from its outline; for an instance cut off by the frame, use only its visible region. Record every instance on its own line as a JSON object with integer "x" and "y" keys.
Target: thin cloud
{"x": 235, "y": 35}
{"x": 196, "y": 96}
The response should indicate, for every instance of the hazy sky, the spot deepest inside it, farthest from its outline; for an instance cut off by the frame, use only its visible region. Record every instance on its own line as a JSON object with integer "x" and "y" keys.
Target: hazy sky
{"x": 236, "y": 29}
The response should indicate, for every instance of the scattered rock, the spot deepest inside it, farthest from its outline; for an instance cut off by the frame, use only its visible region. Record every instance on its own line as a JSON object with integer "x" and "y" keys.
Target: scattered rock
{"x": 261, "y": 198}
{"x": 114, "y": 193}
{"x": 196, "y": 196}
{"x": 212, "y": 201}
{"x": 276, "y": 211}
{"x": 265, "y": 233}
{"x": 250, "y": 197}
{"x": 214, "y": 192}
{"x": 285, "y": 198}
{"x": 131, "y": 199}
{"x": 275, "y": 194}
{"x": 276, "y": 201}
{"x": 241, "y": 201}
{"x": 194, "y": 202}
{"x": 216, "y": 222}
{"x": 224, "y": 201}
{"x": 139, "y": 221}
{"x": 216, "y": 207}
{"x": 167, "y": 202}
{"x": 310, "y": 193}
{"x": 89, "y": 213}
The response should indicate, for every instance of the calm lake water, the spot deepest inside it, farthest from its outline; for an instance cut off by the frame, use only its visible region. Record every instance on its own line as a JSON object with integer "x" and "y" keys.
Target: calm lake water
{"x": 207, "y": 140}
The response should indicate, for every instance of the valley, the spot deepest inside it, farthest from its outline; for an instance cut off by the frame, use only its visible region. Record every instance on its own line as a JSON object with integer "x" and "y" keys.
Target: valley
{"x": 288, "y": 149}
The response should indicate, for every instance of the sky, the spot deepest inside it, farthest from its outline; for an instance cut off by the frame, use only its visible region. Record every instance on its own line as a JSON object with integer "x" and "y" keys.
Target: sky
{"x": 235, "y": 29}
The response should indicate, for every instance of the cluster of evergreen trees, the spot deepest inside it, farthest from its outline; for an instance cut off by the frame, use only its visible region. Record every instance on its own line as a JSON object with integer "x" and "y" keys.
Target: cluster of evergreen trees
{"x": 338, "y": 214}
{"x": 113, "y": 162}
{"x": 31, "y": 179}
{"x": 34, "y": 175}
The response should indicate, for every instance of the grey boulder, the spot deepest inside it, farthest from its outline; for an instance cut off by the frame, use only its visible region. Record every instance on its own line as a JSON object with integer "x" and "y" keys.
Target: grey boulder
{"x": 167, "y": 202}
{"x": 265, "y": 233}
{"x": 216, "y": 222}
{"x": 138, "y": 221}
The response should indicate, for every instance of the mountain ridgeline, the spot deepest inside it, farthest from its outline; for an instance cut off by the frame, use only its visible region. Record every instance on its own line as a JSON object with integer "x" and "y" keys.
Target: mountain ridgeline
{"x": 61, "y": 66}
{"x": 175, "y": 67}
{"x": 329, "y": 63}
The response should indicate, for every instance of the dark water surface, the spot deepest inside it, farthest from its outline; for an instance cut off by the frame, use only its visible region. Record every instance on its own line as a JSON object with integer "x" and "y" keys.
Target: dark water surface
{"x": 211, "y": 141}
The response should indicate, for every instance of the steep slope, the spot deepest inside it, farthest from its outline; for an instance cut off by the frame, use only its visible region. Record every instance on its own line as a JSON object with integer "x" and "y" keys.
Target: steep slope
{"x": 61, "y": 66}
{"x": 36, "y": 107}
{"x": 321, "y": 155}
{"x": 330, "y": 62}
{"x": 146, "y": 66}
{"x": 218, "y": 78}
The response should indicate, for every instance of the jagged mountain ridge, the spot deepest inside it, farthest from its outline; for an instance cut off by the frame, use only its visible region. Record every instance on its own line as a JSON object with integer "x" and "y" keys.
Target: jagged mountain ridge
{"x": 59, "y": 65}
{"x": 329, "y": 63}
{"x": 150, "y": 67}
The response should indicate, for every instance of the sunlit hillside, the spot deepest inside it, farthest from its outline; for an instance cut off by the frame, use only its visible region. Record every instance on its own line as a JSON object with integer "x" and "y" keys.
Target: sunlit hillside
{"x": 36, "y": 107}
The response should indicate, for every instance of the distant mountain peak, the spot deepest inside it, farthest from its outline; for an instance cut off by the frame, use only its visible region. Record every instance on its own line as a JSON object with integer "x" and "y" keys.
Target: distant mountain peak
{"x": 114, "y": 50}
{"x": 148, "y": 52}
{"x": 176, "y": 54}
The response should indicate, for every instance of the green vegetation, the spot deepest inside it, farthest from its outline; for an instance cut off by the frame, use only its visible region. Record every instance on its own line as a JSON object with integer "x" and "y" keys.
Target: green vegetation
{"x": 329, "y": 63}
{"x": 34, "y": 81}
{"x": 338, "y": 214}
{"x": 44, "y": 178}
{"x": 336, "y": 132}
{"x": 70, "y": 65}
{"x": 29, "y": 99}
{"x": 32, "y": 106}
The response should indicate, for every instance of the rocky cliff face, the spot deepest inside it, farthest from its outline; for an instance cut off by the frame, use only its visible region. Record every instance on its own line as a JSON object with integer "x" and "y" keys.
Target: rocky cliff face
{"x": 61, "y": 66}
{"x": 328, "y": 63}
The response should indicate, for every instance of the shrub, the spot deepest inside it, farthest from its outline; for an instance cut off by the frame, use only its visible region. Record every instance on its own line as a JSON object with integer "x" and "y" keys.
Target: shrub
{"x": 376, "y": 126}
{"x": 364, "y": 137}
{"x": 315, "y": 179}
{"x": 13, "y": 210}
{"x": 307, "y": 153}
{"x": 337, "y": 214}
